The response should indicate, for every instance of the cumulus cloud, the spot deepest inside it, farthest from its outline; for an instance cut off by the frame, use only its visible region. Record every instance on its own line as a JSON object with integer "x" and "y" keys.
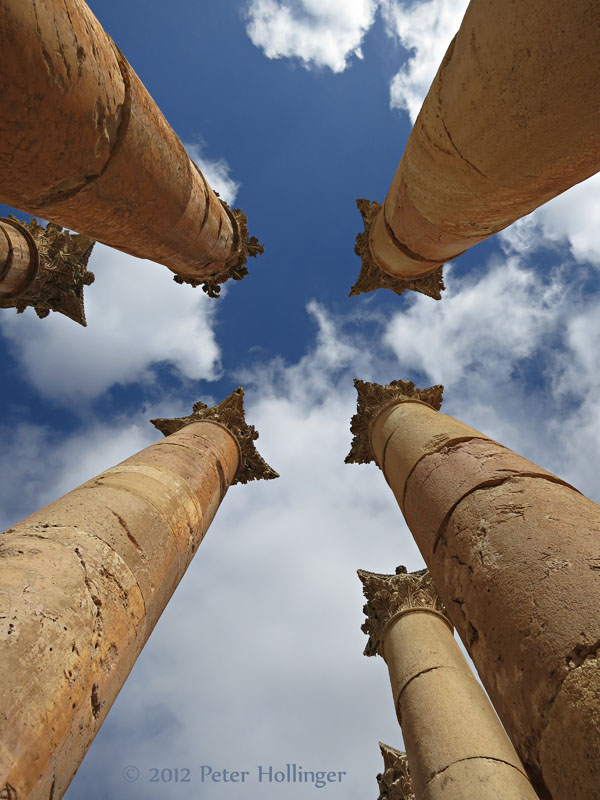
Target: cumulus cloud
{"x": 425, "y": 29}
{"x": 327, "y": 33}
{"x": 137, "y": 317}
{"x": 320, "y": 33}
{"x": 264, "y": 630}
{"x": 217, "y": 173}
{"x": 38, "y": 466}
{"x": 572, "y": 218}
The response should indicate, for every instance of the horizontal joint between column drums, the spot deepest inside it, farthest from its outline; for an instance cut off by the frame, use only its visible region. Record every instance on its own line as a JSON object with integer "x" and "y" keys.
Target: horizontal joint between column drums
{"x": 440, "y": 534}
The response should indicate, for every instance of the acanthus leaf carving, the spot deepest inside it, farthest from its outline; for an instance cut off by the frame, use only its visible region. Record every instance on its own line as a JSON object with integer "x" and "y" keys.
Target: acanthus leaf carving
{"x": 395, "y": 782}
{"x": 243, "y": 247}
{"x": 230, "y": 414}
{"x": 373, "y": 277}
{"x": 61, "y": 271}
{"x": 388, "y": 595}
{"x": 372, "y": 399}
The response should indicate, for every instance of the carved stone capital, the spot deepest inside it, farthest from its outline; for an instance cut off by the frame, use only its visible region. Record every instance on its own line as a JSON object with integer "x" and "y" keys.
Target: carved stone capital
{"x": 58, "y": 278}
{"x": 389, "y": 595}
{"x": 395, "y": 782}
{"x": 373, "y": 277}
{"x": 230, "y": 414}
{"x": 373, "y": 398}
{"x": 243, "y": 246}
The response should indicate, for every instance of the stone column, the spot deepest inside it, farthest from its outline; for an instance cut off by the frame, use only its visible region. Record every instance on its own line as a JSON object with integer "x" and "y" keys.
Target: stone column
{"x": 515, "y": 554}
{"x": 84, "y": 580}
{"x": 83, "y": 144}
{"x": 511, "y": 120}
{"x": 44, "y": 268}
{"x": 455, "y": 743}
{"x": 394, "y": 782}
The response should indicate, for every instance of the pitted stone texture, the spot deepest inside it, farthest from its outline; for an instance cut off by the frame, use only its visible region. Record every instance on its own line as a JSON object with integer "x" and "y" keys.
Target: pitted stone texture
{"x": 62, "y": 98}
{"x": 461, "y": 724}
{"x": 491, "y": 142}
{"x": 517, "y": 566}
{"x": 440, "y": 480}
{"x": 141, "y": 204}
{"x": 417, "y": 642}
{"x": 95, "y": 570}
{"x": 484, "y": 778}
{"x": 445, "y": 715}
{"x": 84, "y": 145}
{"x": 576, "y": 709}
{"x": 407, "y": 432}
{"x": 69, "y": 632}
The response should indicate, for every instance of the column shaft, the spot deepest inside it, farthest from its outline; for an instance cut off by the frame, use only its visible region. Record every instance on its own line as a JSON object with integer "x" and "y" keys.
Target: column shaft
{"x": 84, "y": 581}
{"x": 18, "y": 260}
{"x": 514, "y": 553}
{"x": 84, "y": 145}
{"x": 511, "y": 120}
{"x": 456, "y": 746}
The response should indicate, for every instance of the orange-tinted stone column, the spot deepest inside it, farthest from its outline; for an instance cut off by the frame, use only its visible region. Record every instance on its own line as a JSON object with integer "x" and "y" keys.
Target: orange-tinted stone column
{"x": 84, "y": 580}
{"x": 83, "y": 144}
{"x": 456, "y": 746}
{"x": 394, "y": 782}
{"x": 514, "y": 552}
{"x": 511, "y": 120}
{"x": 44, "y": 268}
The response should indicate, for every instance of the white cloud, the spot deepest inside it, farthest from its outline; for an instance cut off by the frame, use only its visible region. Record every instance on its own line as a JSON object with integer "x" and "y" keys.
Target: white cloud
{"x": 137, "y": 316}
{"x": 264, "y": 630}
{"x": 426, "y": 29}
{"x": 321, "y": 33}
{"x": 572, "y": 218}
{"x": 217, "y": 173}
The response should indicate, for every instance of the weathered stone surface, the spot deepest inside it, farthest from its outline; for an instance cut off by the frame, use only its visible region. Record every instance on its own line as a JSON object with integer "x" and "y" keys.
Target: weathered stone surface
{"x": 575, "y": 710}
{"x": 84, "y": 145}
{"x": 83, "y": 582}
{"x": 513, "y": 552}
{"x": 60, "y": 81}
{"x": 445, "y": 715}
{"x": 402, "y": 436}
{"x": 440, "y": 480}
{"x": 480, "y": 777}
{"x": 517, "y": 565}
{"x": 72, "y": 625}
{"x": 447, "y": 718}
{"x": 493, "y": 141}
{"x": 229, "y": 413}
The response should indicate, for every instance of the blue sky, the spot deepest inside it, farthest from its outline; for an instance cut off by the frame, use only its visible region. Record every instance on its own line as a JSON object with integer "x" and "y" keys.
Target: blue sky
{"x": 258, "y": 658}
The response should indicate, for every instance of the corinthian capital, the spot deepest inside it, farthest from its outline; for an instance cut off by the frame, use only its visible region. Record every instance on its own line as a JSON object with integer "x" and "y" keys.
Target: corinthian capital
{"x": 56, "y": 270}
{"x": 230, "y": 414}
{"x": 235, "y": 269}
{"x": 388, "y": 595}
{"x": 395, "y": 782}
{"x": 373, "y": 277}
{"x": 372, "y": 399}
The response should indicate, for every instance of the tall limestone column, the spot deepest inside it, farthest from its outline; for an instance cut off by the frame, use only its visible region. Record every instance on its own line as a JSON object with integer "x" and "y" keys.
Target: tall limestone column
{"x": 514, "y": 552}
{"x": 83, "y": 144}
{"x": 456, "y": 746}
{"x": 511, "y": 120}
{"x": 84, "y": 580}
{"x": 44, "y": 268}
